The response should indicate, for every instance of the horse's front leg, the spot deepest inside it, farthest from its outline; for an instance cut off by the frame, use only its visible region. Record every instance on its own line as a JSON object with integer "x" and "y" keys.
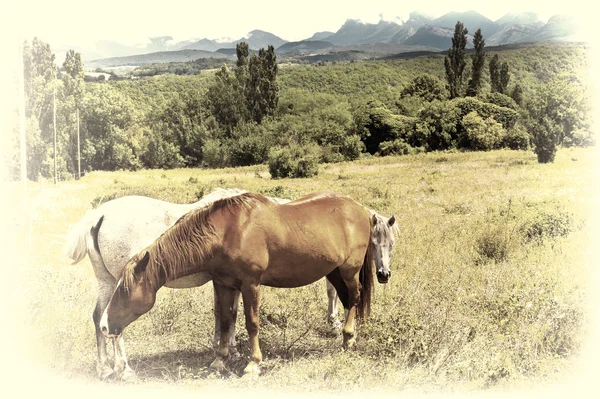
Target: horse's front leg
{"x": 250, "y": 295}
{"x": 122, "y": 367}
{"x": 217, "y": 312}
{"x": 349, "y": 329}
{"x": 332, "y": 310}
{"x": 225, "y": 298}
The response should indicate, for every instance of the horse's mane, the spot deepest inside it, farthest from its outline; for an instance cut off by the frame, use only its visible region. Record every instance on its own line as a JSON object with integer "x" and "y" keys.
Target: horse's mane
{"x": 189, "y": 241}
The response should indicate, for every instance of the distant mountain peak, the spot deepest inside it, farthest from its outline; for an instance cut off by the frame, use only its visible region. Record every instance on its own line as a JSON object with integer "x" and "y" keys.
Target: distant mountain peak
{"x": 419, "y": 15}
{"x": 353, "y": 31}
{"x": 352, "y": 21}
{"x": 320, "y": 36}
{"x": 520, "y": 18}
{"x": 223, "y": 40}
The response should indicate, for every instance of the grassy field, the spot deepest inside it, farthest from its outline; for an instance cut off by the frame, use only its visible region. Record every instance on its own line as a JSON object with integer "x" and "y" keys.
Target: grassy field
{"x": 490, "y": 287}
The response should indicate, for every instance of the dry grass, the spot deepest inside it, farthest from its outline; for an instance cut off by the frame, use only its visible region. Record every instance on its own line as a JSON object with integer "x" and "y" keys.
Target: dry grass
{"x": 476, "y": 301}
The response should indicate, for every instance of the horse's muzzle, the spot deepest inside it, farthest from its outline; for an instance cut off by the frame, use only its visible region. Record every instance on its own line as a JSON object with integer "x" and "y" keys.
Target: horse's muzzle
{"x": 110, "y": 334}
{"x": 383, "y": 277}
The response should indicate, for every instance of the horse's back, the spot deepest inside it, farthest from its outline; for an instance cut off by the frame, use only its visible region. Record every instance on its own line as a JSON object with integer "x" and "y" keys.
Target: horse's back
{"x": 324, "y": 211}
{"x": 132, "y": 223}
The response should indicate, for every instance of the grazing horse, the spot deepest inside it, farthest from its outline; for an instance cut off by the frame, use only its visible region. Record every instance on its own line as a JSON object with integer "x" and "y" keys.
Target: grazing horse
{"x": 114, "y": 232}
{"x": 118, "y": 229}
{"x": 244, "y": 241}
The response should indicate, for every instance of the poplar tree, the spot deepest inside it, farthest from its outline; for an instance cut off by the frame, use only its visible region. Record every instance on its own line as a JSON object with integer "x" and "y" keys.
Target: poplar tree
{"x": 74, "y": 76}
{"x": 499, "y": 75}
{"x": 455, "y": 62}
{"x": 478, "y": 60}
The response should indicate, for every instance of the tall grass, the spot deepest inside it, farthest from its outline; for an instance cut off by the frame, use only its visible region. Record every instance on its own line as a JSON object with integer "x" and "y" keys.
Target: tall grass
{"x": 489, "y": 287}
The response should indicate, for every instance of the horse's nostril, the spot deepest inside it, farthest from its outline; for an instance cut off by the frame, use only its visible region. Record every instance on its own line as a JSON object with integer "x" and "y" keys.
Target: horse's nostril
{"x": 104, "y": 330}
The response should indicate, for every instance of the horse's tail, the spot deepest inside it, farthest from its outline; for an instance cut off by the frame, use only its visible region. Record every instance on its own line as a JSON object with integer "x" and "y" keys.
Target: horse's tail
{"x": 366, "y": 280}
{"x": 78, "y": 239}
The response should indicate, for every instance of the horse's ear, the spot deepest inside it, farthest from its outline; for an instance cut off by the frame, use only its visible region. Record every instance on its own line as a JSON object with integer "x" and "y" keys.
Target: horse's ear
{"x": 140, "y": 267}
{"x": 392, "y": 221}
{"x": 374, "y": 219}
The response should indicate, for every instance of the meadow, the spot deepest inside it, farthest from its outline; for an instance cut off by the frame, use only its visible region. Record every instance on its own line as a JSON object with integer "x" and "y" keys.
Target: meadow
{"x": 490, "y": 287}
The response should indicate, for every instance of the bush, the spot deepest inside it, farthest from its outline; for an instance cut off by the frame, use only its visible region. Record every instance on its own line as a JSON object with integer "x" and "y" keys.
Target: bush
{"x": 161, "y": 154}
{"x": 427, "y": 87}
{"x": 482, "y": 134}
{"x": 501, "y": 100}
{"x": 495, "y": 243}
{"x": 517, "y": 138}
{"x": 250, "y": 145}
{"x": 436, "y": 126}
{"x": 330, "y": 154}
{"x": 381, "y": 125}
{"x": 215, "y": 154}
{"x": 579, "y": 138}
{"x": 506, "y": 116}
{"x": 352, "y": 147}
{"x": 548, "y": 224}
{"x": 546, "y": 134}
{"x": 396, "y": 147}
{"x": 294, "y": 161}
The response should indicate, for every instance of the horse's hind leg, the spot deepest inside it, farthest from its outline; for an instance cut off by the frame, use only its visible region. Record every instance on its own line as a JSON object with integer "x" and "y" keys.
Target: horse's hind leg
{"x": 225, "y": 298}
{"x": 103, "y": 366}
{"x": 106, "y": 287}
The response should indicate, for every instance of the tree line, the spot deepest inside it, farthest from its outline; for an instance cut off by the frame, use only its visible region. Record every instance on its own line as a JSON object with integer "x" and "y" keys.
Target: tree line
{"x": 248, "y": 113}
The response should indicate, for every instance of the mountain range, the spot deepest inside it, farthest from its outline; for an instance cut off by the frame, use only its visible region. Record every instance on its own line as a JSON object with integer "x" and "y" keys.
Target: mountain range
{"x": 419, "y": 33}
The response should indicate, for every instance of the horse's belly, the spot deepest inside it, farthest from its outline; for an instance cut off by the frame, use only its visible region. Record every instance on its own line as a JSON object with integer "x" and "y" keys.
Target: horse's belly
{"x": 291, "y": 276}
{"x": 190, "y": 281}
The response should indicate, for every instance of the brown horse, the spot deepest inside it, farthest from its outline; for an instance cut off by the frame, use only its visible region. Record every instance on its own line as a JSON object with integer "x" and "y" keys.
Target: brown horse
{"x": 245, "y": 241}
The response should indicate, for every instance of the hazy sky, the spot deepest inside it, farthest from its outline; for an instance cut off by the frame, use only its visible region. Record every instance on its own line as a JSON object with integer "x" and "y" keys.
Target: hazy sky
{"x": 80, "y": 22}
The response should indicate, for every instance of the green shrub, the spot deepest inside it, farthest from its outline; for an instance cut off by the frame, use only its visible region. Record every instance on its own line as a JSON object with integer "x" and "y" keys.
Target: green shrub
{"x": 396, "y": 147}
{"x": 352, "y": 147}
{"x": 517, "y": 138}
{"x": 436, "y": 126}
{"x": 249, "y": 145}
{"x": 496, "y": 242}
{"x": 294, "y": 161}
{"x": 501, "y": 100}
{"x": 546, "y": 134}
{"x": 506, "y": 116}
{"x": 579, "y": 138}
{"x": 548, "y": 224}
{"x": 161, "y": 154}
{"x": 482, "y": 134}
{"x": 427, "y": 87}
{"x": 330, "y": 154}
{"x": 380, "y": 125}
{"x": 215, "y": 154}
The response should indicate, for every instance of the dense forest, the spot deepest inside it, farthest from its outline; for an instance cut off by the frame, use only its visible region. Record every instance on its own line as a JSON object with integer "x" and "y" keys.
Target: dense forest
{"x": 529, "y": 96}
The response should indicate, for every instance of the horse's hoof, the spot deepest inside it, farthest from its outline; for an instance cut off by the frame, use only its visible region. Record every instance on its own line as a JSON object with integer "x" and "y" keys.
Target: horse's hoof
{"x": 252, "y": 369}
{"x": 217, "y": 365}
{"x": 349, "y": 343}
{"x": 129, "y": 376}
{"x": 104, "y": 372}
{"x": 335, "y": 324}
